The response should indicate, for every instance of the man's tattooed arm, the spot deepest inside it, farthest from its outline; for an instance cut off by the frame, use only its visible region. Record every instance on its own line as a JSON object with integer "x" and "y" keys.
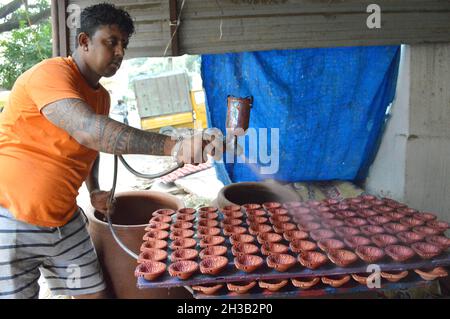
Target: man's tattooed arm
{"x": 103, "y": 134}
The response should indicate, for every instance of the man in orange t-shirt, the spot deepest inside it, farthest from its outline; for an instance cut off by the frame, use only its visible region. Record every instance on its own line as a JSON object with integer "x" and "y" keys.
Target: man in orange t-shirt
{"x": 51, "y": 133}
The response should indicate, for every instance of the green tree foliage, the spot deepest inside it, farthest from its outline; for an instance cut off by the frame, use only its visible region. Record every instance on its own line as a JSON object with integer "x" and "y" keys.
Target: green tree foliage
{"x": 24, "y": 46}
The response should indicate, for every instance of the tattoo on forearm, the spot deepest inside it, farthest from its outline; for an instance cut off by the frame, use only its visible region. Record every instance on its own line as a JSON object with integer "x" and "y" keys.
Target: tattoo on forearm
{"x": 100, "y": 132}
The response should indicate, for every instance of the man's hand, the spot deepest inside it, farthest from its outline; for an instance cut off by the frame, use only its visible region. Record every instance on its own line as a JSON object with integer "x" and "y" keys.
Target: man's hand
{"x": 194, "y": 149}
{"x": 99, "y": 200}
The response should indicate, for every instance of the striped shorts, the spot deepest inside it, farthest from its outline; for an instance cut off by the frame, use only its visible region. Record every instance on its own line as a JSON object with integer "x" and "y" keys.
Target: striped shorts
{"x": 64, "y": 255}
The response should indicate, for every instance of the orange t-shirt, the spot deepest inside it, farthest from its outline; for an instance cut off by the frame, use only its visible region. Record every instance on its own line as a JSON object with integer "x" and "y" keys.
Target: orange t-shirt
{"x": 41, "y": 165}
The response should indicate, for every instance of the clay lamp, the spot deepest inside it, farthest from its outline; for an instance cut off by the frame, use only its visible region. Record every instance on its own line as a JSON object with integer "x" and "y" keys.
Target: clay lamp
{"x": 156, "y": 234}
{"x": 231, "y": 222}
{"x": 218, "y": 250}
{"x": 308, "y": 226}
{"x": 426, "y": 250}
{"x": 399, "y": 253}
{"x": 269, "y": 237}
{"x": 395, "y": 205}
{"x": 370, "y": 230}
{"x": 330, "y": 243}
{"x": 369, "y": 254}
{"x": 407, "y": 211}
{"x": 229, "y": 230}
{"x": 440, "y": 241}
{"x": 319, "y": 234}
{"x": 248, "y": 263}
{"x": 164, "y": 212}
{"x": 259, "y": 228}
{"x": 410, "y": 237}
{"x": 378, "y": 220}
{"x": 251, "y": 206}
{"x": 395, "y": 228}
{"x": 305, "y": 283}
{"x": 292, "y": 204}
{"x": 183, "y": 254}
{"x": 208, "y": 215}
{"x": 161, "y": 219}
{"x": 208, "y": 289}
{"x": 240, "y": 287}
{"x": 299, "y": 245}
{"x": 368, "y": 197}
{"x": 208, "y": 231}
{"x": 355, "y": 222}
{"x": 377, "y": 202}
{"x": 183, "y": 269}
{"x": 300, "y": 211}
{"x": 187, "y": 210}
{"x": 180, "y": 243}
{"x": 157, "y": 226}
{"x": 394, "y": 276}
{"x": 302, "y": 219}
{"x": 181, "y": 233}
{"x": 185, "y": 217}
{"x": 241, "y": 238}
{"x": 290, "y": 235}
{"x": 367, "y": 213}
{"x": 312, "y": 259}
{"x": 270, "y": 205}
{"x": 325, "y": 209}
{"x": 256, "y": 212}
{"x": 313, "y": 203}
{"x": 332, "y": 223}
{"x": 213, "y": 265}
{"x": 256, "y": 220}
{"x": 394, "y": 215}
{"x": 278, "y": 212}
{"x": 208, "y": 209}
{"x": 273, "y": 248}
{"x": 207, "y": 241}
{"x": 433, "y": 274}
{"x": 331, "y": 201}
{"x": 355, "y": 241}
{"x": 439, "y": 225}
{"x": 345, "y": 214}
{"x": 280, "y": 262}
{"x": 425, "y": 230}
{"x": 426, "y": 217}
{"x": 345, "y": 231}
{"x": 154, "y": 243}
{"x": 383, "y": 240}
{"x": 208, "y": 223}
{"x": 411, "y": 221}
{"x": 282, "y": 227}
{"x": 235, "y": 208}
{"x": 345, "y": 206}
{"x": 325, "y": 216}
{"x": 342, "y": 257}
{"x": 272, "y": 285}
{"x": 239, "y": 249}
{"x": 150, "y": 270}
{"x": 181, "y": 225}
{"x": 336, "y": 281}
{"x": 233, "y": 214}
{"x": 383, "y": 209}
{"x": 279, "y": 219}
{"x": 361, "y": 278}
{"x": 152, "y": 254}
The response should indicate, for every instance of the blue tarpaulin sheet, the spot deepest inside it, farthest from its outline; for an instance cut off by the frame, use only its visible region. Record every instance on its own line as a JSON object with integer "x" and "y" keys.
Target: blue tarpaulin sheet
{"x": 329, "y": 106}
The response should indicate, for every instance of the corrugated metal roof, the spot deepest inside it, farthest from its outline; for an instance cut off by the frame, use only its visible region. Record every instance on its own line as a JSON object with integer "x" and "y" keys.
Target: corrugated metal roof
{"x": 217, "y": 26}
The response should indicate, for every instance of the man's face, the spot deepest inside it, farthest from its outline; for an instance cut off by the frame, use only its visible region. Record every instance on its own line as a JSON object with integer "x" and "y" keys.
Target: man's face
{"x": 106, "y": 50}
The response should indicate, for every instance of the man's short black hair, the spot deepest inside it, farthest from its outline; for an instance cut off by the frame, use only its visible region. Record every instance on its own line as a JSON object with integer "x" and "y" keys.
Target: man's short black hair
{"x": 102, "y": 14}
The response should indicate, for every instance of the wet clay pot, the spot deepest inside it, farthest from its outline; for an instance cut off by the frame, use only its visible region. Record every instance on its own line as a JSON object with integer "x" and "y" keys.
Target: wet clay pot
{"x": 394, "y": 276}
{"x": 208, "y": 289}
{"x": 132, "y": 214}
{"x": 280, "y": 262}
{"x": 240, "y": 287}
{"x": 336, "y": 281}
{"x": 312, "y": 259}
{"x": 432, "y": 274}
{"x": 257, "y": 193}
{"x": 213, "y": 265}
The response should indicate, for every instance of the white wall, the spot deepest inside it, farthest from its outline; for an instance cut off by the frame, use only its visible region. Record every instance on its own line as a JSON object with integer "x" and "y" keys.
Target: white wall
{"x": 413, "y": 163}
